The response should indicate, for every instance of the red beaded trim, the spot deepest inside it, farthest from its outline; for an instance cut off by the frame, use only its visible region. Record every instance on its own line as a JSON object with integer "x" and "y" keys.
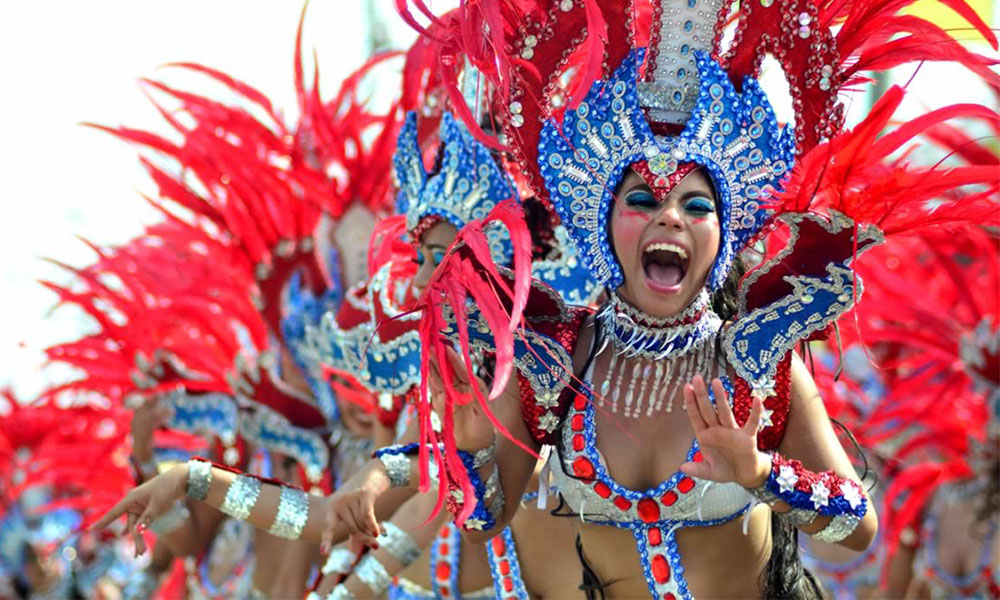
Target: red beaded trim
{"x": 648, "y": 509}
{"x": 769, "y": 438}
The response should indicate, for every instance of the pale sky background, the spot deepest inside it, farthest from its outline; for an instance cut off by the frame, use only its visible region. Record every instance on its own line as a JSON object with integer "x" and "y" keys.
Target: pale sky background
{"x": 65, "y": 62}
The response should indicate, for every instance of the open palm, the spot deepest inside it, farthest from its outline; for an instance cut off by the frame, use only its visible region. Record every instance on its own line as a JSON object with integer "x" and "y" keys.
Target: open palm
{"x": 729, "y": 452}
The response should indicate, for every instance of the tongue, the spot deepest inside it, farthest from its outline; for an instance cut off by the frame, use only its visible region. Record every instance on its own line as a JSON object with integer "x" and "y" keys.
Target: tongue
{"x": 668, "y": 275}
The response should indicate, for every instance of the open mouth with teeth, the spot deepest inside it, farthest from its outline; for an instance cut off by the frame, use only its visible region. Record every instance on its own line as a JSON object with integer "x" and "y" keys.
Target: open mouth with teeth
{"x": 665, "y": 265}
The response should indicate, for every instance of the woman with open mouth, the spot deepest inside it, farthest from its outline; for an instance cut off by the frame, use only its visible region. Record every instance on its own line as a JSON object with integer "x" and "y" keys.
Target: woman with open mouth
{"x": 690, "y": 441}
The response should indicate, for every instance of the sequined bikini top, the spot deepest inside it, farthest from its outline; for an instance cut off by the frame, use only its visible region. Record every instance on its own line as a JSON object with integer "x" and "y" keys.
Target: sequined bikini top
{"x": 654, "y": 515}
{"x": 584, "y": 481}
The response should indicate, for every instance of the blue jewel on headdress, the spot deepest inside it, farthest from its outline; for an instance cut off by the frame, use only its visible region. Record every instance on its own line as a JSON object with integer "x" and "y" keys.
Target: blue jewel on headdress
{"x": 467, "y": 186}
{"x": 734, "y": 136}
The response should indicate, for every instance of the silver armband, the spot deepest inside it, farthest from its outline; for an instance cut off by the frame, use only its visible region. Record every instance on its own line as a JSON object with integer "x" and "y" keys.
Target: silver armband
{"x": 837, "y": 529}
{"x": 340, "y": 592}
{"x": 199, "y": 479}
{"x": 798, "y": 517}
{"x": 241, "y": 497}
{"x": 397, "y": 466}
{"x": 492, "y": 483}
{"x": 340, "y": 561}
{"x": 484, "y": 455}
{"x": 493, "y": 494}
{"x": 399, "y": 544}
{"x": 373, "y": 574}
{"x": 293, "y": 511}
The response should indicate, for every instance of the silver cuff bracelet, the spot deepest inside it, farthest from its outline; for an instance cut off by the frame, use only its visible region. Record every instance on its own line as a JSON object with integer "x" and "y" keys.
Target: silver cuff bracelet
{"x": 241, "y": 497}
{"x": 199, "y": 479}
{"x": 397, "y": 466}
{"x": 399, "y": 544}
{"x": 372, "y": 573}
{"x": 837, "y": 529}
{"x": 293, "y": 511}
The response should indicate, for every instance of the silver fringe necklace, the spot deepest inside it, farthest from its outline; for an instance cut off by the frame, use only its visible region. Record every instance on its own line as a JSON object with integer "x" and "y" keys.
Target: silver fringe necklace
{"x": 659, "y": 354}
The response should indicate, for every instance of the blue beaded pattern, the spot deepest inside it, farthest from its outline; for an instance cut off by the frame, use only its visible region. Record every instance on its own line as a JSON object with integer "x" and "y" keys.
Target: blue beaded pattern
{"x": 304, "y": 311}
{"x": 675, "y": 583}
{"x": 601, "y": 472}
{"x": 568, "y": 275}
{"x": 454, "y": 556}
{"x": 734, "y": 136}
{"x": 467, "y": 187}
{"x": 479, "y": 513}
{"x": 273, "y": 431}
{"x": 757, "y": 341}
{"x": 382, "y": 366}
{"x": 213, "y": 414}
{"x": 410, "y": 448}
{"x": 510, "y": 555}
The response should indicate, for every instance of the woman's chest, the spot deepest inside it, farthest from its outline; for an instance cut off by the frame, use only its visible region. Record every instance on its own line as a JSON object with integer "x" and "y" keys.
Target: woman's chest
{"x": 651, "y": 492}
{"x": 641, "y": 453}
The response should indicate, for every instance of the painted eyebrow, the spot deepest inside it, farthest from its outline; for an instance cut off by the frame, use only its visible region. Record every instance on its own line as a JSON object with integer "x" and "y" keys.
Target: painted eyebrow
{"x": 435, "y": 247}
{"x": 697, "y": 194}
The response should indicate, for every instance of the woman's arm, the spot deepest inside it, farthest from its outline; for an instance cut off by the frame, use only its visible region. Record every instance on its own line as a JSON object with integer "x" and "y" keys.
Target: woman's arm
{"x": 253, "y": 500}
{"x": 515, "y": 466}
{"x": 810, "y": 438}
{"x": 829, "y": 503}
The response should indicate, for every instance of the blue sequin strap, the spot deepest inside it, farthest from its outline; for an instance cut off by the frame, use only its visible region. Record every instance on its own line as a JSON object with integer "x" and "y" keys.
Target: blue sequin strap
{"x": 505, "y": 566}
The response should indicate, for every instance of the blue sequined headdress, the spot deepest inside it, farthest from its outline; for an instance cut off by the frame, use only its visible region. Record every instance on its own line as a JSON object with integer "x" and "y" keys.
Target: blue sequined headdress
{"x": 467, "y": 186}
{"x": 733, "y": 135}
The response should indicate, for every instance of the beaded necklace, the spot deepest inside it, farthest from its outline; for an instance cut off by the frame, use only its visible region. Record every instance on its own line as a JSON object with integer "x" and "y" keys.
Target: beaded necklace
{"x": 659, "y": 354}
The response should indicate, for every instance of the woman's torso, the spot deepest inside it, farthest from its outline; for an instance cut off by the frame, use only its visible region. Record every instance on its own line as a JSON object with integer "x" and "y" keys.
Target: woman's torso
{"x": 637, "y": 486}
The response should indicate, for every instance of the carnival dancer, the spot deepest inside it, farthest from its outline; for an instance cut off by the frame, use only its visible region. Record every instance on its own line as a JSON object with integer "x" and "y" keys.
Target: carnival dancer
{"x": 218, "y": 281}
{"x": 382, "y": 354}
{"x": 941, "y": 507}
{"x": 55, "y": 462}
{"x": 692, "y": 201}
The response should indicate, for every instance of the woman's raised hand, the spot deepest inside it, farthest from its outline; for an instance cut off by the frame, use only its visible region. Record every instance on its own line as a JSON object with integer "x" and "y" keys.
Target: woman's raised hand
{"x": 729, "y": 452}
{"x": 146, "y": 502}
